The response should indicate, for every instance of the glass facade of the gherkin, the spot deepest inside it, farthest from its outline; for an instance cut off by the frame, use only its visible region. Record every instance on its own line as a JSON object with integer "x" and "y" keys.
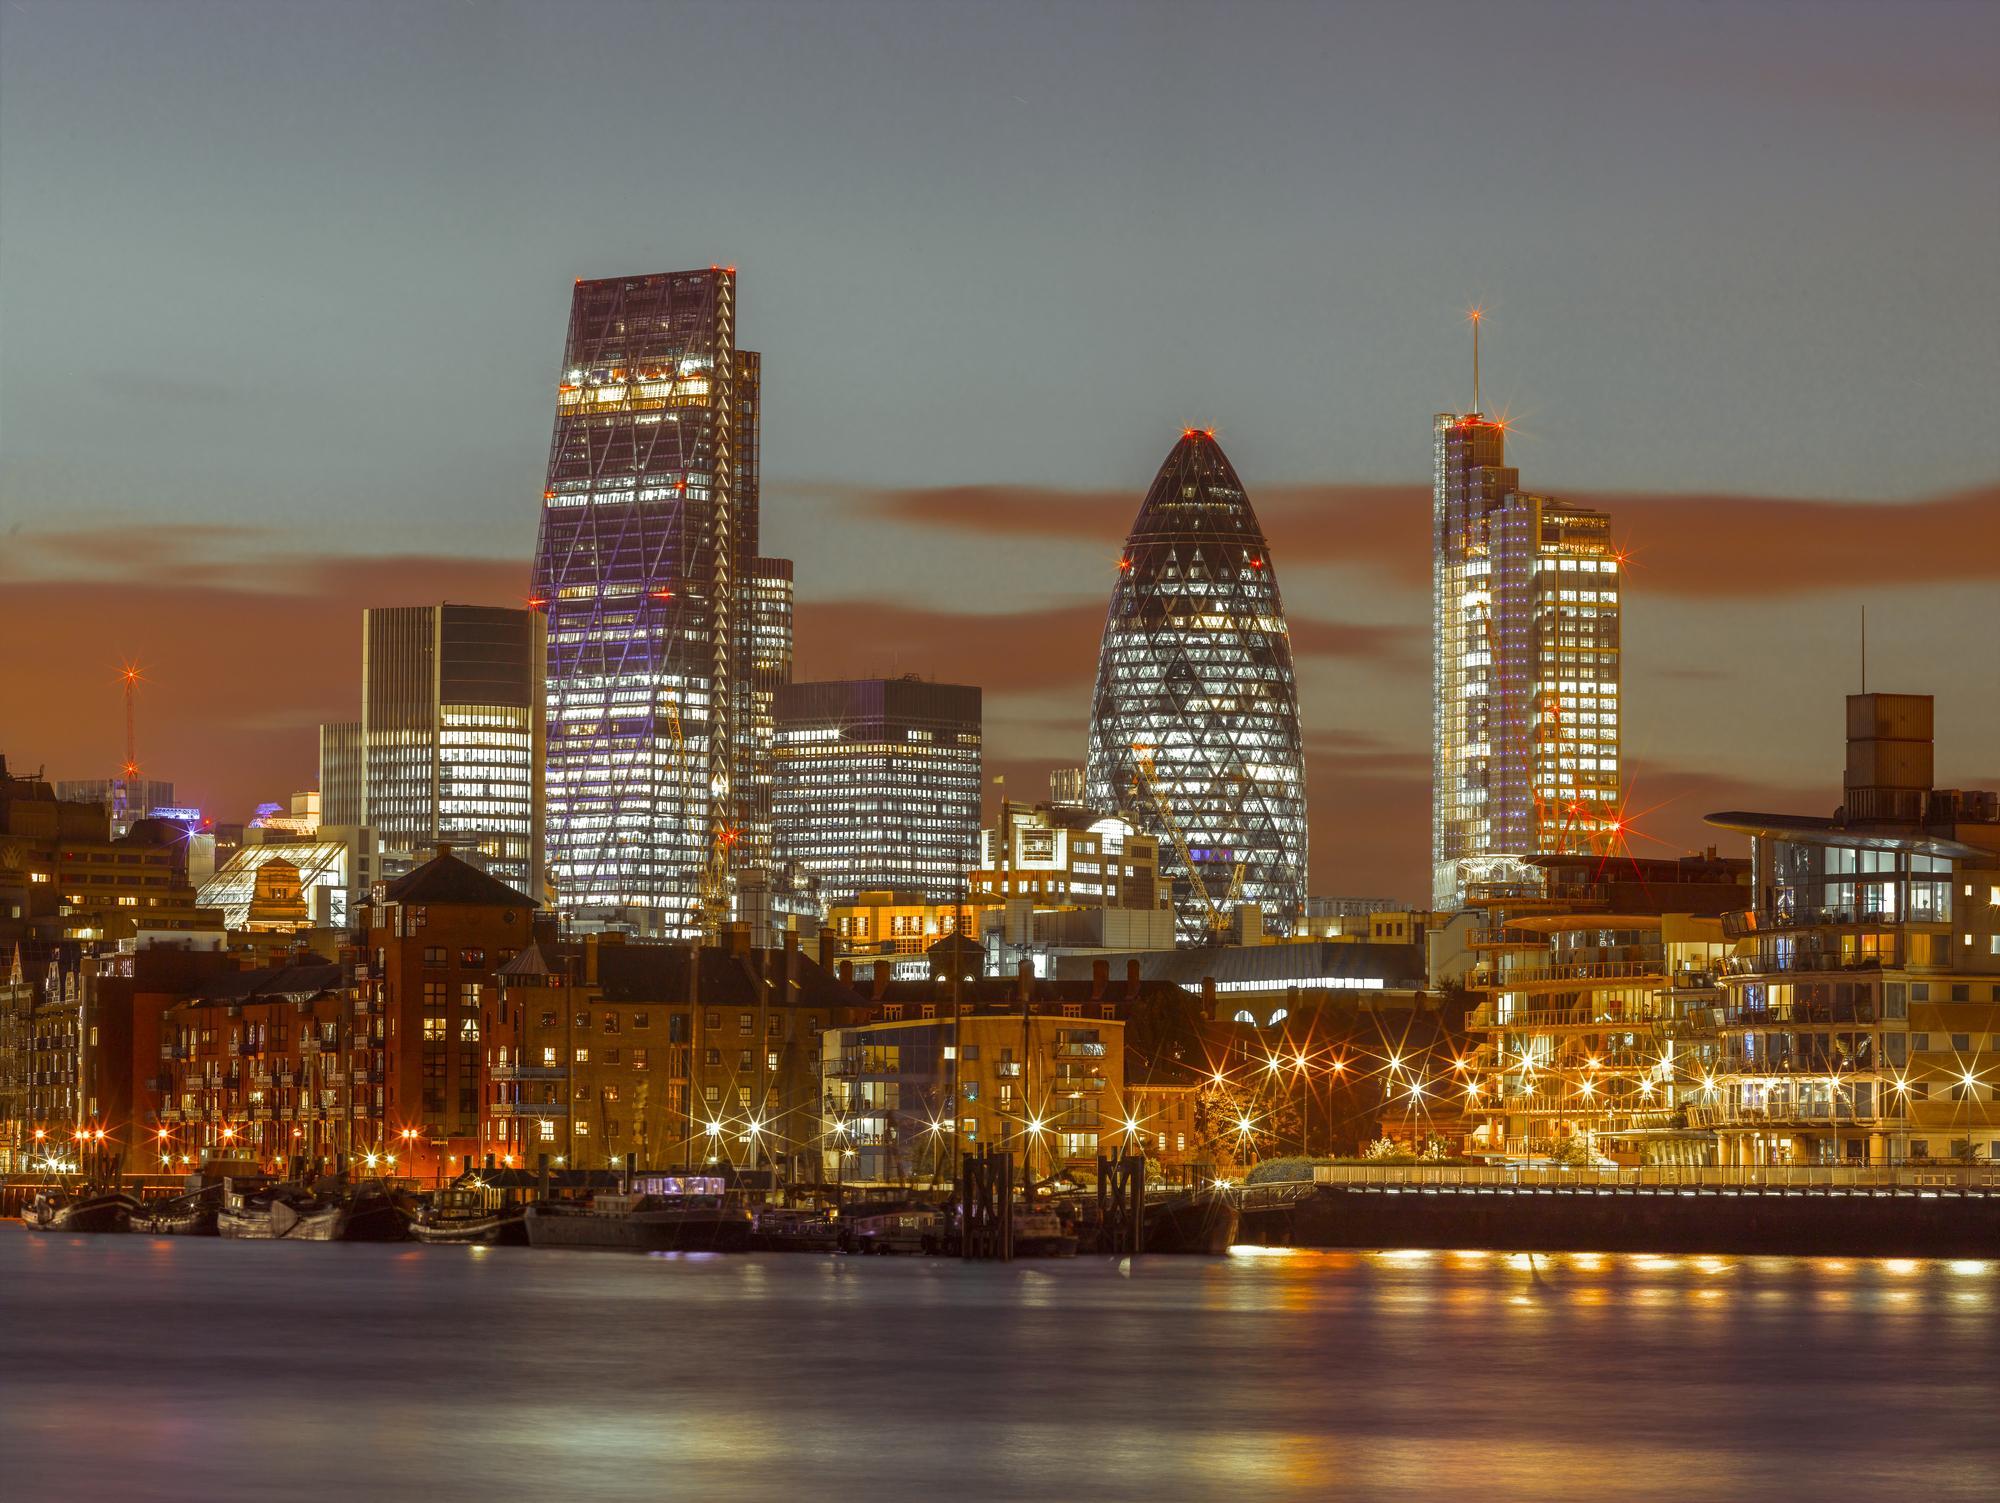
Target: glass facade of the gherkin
{"x": 1194, "y": 728}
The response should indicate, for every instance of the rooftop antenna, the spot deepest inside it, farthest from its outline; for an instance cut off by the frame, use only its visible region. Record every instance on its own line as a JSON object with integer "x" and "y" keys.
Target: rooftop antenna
{"x": 1476, "y": 316}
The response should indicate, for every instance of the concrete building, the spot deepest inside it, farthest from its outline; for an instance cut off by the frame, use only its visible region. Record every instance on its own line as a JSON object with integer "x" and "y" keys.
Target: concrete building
{"x": 63, "y": 875}
{"x": 1860, "y": 1016}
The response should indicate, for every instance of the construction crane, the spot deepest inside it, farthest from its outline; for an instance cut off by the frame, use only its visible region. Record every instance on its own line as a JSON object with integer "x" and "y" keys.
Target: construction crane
{"x": 126, "y": 790}
{"x": 1216, "y": 920}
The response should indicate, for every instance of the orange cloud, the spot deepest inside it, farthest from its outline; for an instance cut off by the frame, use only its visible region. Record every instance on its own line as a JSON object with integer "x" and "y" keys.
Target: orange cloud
{"x": 1683, "y": 545}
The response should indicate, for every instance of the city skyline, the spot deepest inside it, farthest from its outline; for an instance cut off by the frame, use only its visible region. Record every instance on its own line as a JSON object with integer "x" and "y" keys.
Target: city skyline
{"x": 1666, "y": 354}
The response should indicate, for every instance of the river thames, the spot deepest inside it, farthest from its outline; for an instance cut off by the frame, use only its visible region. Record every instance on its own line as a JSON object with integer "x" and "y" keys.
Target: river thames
{"x": 142, "y": 1368}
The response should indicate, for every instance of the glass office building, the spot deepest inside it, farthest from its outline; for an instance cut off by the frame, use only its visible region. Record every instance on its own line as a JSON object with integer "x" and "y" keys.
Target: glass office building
{"x": 451, "y": 736}
{"x": 648, "y": 572}
{"x": 1194, "y": 727}
{"x": 1526, "y": 653}
{"x": 877, "y": 785}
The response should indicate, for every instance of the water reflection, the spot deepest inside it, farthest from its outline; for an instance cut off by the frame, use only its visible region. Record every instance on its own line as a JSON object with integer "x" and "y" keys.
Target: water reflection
{"x": 449, "y": 1373}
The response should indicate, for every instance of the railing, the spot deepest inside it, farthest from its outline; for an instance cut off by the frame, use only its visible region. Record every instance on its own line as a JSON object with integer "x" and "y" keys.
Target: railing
{"x": 1786, "y": 1115}
{"x": 1792, "y": 965}
{"x": 1911, "y": 1175}
{"x": 528, "y": 1109}
{"x": 1079, "y": 1051}
{"x": 530, "y": 1072}
{"x": 1742, "y": 924}
{"x": 1583, "y": 970}
{"x": 1079, "y": 1082}
{"x": 1852, "y": 1015}
{"x": 1485, "y": 1018}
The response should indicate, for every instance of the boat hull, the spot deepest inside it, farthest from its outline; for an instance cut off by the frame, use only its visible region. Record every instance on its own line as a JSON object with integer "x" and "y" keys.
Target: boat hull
{"x": 1203, "y": 1223}
{"x": 202, "y": 1221}
{"x": 499, "y": 1230}
{"x": 95, "y": 1213}
{"x": 642, "y": 1231}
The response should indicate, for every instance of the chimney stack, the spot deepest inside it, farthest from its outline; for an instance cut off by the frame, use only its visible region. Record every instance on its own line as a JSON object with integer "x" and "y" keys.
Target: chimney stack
{"x": 1100, "y": 977}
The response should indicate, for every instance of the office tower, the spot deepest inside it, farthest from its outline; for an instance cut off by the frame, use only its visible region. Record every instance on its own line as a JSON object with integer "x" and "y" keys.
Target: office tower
{"x": 1194, "y": 727}
{"x": 1525, "y": 634}
{"x": 877, "y": 785}
{"x": 648, "y": 571}
{"x": 451, "y": 736}
{"x": 340, "y": 774}
{"x": 765, "y": 667}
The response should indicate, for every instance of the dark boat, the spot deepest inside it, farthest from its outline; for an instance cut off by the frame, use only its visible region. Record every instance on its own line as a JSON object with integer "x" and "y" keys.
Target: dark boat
{"x": 88, "y": 1209}
{"x": 246, "y": 1211}
{"x": 194, "y": 1214}
{"x": 779, "y": 1230}
{"x": 903, "y": 1226}
{"x": 464, "y": 1214}
{"x": 366, "y": 1213}
{"x": 1200, "y": 1221}
{"x": 1042, "y": 1234}
{"x": 641, "y": 1223}
{"x": 291, "y": 1213}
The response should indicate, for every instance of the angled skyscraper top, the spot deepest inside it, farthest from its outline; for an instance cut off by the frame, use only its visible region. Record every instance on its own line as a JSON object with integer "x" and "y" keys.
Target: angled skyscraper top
{"x": 1194, "y": 727}
{"x": 658, "y": 701}
{"x": 1525, "y": 642}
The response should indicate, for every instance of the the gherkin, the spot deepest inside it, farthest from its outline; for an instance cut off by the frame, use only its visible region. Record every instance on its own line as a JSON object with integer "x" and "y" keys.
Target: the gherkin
{"x": 1197, "y": 707}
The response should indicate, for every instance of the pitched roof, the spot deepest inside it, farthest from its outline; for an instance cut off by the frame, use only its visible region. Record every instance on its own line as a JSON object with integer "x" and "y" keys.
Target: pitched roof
{"x": 446, "y": 879}
{"x": 308, "y": 977}
{"x": 659, "y": 973}
{"x": 534, "y": 961}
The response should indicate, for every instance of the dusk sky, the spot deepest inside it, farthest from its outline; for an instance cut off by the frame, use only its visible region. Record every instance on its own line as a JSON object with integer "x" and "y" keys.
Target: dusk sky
{"x": 283, "y": 289}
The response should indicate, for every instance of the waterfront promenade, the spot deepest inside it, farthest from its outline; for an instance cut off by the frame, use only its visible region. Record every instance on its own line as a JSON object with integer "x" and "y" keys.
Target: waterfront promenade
{"x": 154, "y": 1369}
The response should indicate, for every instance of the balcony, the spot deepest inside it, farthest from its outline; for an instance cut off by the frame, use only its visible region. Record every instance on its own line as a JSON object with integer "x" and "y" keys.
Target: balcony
{"x": 1744, "y": 924}
{"x": 1816, "y": 963}
{"x": 1079, "y": 1082}
{"x": 530, "y": 1072}
{"x": 1079, "y": 1051}
{"x": 1484, "y": 1019}
{"x": 1521, "y": 978}
{"x": 1786, "y": 1115}
{"x": 1787, "y": 1014}
{"x": 527, "y": 1109}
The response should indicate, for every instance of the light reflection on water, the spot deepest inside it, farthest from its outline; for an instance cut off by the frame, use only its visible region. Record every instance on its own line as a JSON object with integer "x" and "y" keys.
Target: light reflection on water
{"x": 167, "y": 1369}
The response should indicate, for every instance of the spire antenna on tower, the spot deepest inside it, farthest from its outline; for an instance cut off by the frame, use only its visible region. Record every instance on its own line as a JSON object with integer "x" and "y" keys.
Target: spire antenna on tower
{"x": 1477, "y": 316}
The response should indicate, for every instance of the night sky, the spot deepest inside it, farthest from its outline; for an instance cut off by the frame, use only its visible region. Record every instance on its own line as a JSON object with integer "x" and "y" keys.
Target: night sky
{"x": 283, "y": 290}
